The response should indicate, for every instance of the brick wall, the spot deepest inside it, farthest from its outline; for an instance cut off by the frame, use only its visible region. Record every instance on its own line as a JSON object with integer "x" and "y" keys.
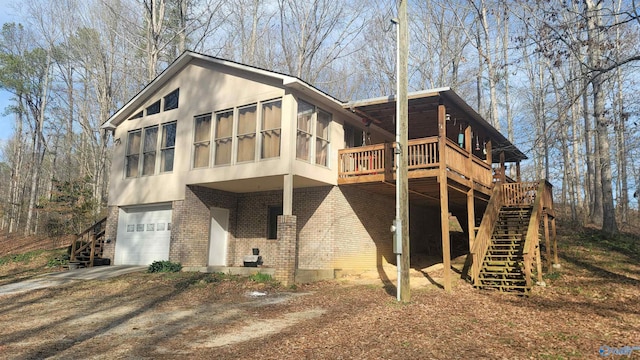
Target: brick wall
{"x": 111, "y": 232}
{"x": 191, "y": 221}
{"x": 252, "y": 222}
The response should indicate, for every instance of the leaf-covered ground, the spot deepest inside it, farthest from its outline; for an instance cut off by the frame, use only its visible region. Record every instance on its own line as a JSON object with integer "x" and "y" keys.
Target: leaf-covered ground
{"x": 592, "y": 301}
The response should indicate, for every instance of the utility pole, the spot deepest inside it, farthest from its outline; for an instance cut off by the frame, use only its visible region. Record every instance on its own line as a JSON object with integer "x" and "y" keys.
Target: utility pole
{"x": 403, "y": 136}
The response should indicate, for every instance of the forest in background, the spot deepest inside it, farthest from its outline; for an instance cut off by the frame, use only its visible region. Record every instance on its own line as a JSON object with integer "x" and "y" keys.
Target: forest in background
{"x": 558, "y": 78}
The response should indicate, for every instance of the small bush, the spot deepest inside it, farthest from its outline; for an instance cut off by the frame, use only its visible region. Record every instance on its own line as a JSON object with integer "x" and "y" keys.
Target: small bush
{"x": 58, "y": 261}
{"x": 164, "y": 266}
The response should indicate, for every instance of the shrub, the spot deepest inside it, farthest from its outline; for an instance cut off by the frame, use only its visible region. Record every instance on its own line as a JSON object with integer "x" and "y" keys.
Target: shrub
{"x": 164, "y": 266}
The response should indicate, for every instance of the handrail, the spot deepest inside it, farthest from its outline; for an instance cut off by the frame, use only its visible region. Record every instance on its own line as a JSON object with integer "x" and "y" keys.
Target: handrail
{"x": 483, "y": 237}
{"x": 94, "y": 233}
{"x": 532, "y": 239}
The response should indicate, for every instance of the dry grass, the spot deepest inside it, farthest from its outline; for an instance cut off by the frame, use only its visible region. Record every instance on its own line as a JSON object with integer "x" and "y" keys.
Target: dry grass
{"x": 591, "y": 301}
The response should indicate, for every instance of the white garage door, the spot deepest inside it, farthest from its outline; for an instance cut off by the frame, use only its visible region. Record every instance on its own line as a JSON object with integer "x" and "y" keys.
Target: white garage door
{"x": 143, "y": 235}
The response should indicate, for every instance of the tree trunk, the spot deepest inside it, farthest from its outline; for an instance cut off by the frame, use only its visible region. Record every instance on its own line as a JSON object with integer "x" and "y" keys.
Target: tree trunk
{"x": 595, "y": 36}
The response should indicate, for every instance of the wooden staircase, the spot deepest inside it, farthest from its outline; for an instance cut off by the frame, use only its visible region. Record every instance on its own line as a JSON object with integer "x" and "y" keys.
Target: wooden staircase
{"x": 503, "y": 264}
{"x": 87, "y": 248}
{"x": 507, "y": 245}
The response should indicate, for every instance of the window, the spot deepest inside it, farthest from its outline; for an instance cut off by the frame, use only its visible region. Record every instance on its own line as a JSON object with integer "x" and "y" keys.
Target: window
{"x": 322, "y": 137}
{"x": 272, "y": 225}
{"x": 224, "y": 129}
{"x": 136, "y": 116}
{"x": 171, "y": 100}
{"x": 201, "y": 141}
{"x": 133, "y": 153}
{"x": 153, "y": 108}
{"x": 167, "y": 146}
{"x": 312, "y": 139}
{"x": 247, "y": 133}
{"x": 303, "y": 138}
{"x": 270, "y": 125}
{"x": 149, "y": 150}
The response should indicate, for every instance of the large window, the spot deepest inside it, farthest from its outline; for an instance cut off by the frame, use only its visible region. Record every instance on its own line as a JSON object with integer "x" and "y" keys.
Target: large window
{"x": 149, "y": 150}
{"x": 304, "y": 134}
{"x": 224, "y": 132}
{"x": 247, "y": 133}
{"x": 201, "y": 141}
{"x": 322, "y": 138}
{"x": 132, "y": 159}
{"x": 167, "y": 147}
{"x": 270, "y": 125}
{"x": 312, "y": 139}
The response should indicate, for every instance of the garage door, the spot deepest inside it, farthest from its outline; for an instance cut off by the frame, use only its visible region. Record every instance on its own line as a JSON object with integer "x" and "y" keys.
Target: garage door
{"x": 143, "y": 235}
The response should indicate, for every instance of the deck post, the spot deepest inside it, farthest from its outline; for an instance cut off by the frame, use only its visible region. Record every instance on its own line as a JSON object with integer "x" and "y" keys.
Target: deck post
{"x": 503, "y": 172}
{"x": 444, "y": 196}
{"x": 547, "y": 242}
{"x": 489, "y": 149}
{"x": 471, "y": 216}
{"x": 518, "y": 177}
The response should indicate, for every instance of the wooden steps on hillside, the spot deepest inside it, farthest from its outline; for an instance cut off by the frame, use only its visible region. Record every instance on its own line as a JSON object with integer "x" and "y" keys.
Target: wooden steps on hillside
{"x": 502, "y": 267}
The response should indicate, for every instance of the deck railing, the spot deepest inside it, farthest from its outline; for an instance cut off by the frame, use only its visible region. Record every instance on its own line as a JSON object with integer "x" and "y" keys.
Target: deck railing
{"x": 422, "y": 154}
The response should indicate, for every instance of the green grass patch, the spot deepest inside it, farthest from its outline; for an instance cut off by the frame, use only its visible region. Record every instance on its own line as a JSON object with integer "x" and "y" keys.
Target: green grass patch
{"x": 20, "y": 258}
{"x": 261, "y": 278}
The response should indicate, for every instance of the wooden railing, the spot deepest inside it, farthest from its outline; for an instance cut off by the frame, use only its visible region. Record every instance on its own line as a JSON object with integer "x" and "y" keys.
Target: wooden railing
{"x": 485, "y": 231}
{"x": 531, "y": 250}
{"x": 482, "y": 173}
{"x": 422, "y": 154}
{"x": 457, "y": 158}
{"x": 88, "y": 240}
{"x": 519, "y": 194}
{"x": 363, "y": 160}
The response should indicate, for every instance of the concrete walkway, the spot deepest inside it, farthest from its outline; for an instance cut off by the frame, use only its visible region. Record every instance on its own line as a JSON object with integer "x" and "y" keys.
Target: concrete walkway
{"x": 65, "y": 277}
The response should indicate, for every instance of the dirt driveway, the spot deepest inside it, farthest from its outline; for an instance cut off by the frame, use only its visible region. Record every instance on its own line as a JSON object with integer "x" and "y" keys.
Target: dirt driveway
{"x": 140, "y": 316}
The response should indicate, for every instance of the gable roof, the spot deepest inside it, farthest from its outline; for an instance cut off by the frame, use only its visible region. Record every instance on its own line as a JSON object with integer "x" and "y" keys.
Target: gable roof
{"x": 178, "y": 64}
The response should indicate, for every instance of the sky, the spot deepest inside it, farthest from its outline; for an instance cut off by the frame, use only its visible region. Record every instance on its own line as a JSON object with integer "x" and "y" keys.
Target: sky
{"x": 6, "y": 121}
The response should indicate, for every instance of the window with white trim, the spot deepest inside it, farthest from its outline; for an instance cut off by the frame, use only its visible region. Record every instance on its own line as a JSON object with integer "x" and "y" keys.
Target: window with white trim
{"x": 312, "y": 137}
{"x": 149, "y": 150}
{"x": 201, "y": 141}
{"x": 270, "y": 129}
{"x": 223, "y": 137}
{"x": 168, "y": 146}
{"x": 246, "y": 133}
{"x": 132, "y": 156}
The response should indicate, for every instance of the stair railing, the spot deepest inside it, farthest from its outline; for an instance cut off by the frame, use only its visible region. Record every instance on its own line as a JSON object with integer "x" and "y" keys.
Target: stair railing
{"x": 88, "y": 239}
{"x": 531, "y": 247}
{"x": 483, "y": 237}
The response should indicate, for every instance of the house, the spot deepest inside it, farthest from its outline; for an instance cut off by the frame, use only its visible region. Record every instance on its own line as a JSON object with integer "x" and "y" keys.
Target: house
{"x": 214, "y": 158}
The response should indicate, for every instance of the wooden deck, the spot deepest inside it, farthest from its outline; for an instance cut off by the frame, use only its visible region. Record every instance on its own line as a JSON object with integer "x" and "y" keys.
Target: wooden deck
{"x": 374, "y": 164}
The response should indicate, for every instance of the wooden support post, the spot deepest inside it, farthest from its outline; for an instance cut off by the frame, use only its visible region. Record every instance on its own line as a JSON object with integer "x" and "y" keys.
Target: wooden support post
{"x": 489, "y": 148}
{"x": 538, "y": 261}
{"x": 388, "y": 162}
{"x": 93, "y": 248}
{"x": 471, "y": 216}
{"x": 444, "y": 196}
{"x": 518, "y": 177}
{"x": 555, "y": 241}
{"x": 503, "y": 170}
{"x": 547, "y": 242}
